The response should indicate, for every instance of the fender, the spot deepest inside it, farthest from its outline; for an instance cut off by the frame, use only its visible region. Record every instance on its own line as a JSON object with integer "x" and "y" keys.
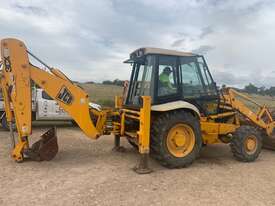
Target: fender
{"x": 175, "y": 105}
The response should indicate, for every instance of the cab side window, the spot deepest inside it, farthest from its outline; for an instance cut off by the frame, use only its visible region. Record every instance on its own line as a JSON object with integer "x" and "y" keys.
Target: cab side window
{"x": 192, "y": 85}
{"x": 167, "y": 76}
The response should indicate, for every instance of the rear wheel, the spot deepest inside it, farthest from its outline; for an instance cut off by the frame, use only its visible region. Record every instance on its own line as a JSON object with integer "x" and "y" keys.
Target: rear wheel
{"x": 175, "y": 139}
{"x": 246, "y": 144}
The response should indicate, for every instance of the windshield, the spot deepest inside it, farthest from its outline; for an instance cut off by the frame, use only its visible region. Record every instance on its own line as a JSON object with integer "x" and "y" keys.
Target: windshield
{"x": 195, "y": 77}
{"x": 140, "y": 84}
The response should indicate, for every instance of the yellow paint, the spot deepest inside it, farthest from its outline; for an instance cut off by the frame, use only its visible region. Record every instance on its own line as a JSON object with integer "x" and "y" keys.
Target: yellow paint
{"x": 16, "y": 76}
{"x": 144, "y": 125}
{"x": 17, "y": 152}
{"x": 118, "y": 102}
{"x": 211, "y": 130}
{"x": 251, "y": 144}
{"x": 180, "y": 140}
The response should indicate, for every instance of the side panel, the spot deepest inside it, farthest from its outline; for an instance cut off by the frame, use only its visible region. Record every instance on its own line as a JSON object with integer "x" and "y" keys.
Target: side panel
{"x": 211, "y": 130}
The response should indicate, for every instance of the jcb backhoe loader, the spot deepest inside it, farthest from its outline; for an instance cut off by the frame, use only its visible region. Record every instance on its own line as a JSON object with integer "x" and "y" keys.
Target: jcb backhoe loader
{"x": 171, "y": 109}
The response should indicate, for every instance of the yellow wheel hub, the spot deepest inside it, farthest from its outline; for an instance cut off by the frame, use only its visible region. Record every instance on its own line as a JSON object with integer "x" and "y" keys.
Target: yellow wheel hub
{"x": 251, "y": 144}
{"x": 180, "y": 140}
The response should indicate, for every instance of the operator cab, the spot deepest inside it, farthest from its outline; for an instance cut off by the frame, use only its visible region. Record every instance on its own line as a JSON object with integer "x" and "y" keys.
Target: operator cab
{"x": 168, "y": 76}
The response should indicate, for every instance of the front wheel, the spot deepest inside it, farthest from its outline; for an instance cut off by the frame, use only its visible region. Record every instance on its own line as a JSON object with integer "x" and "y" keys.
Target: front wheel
{"x": 175, "y": 139}
{"x": 246, "y": 144}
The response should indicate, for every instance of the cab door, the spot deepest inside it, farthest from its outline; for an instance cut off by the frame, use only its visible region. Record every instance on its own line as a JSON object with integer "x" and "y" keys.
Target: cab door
{"x": 167, "y": 88}
{"x": 197, "y": 84}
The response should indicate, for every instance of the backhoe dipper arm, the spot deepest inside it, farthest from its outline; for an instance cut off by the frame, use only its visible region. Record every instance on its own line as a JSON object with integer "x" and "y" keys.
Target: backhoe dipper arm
{"x": 17, "y": 74}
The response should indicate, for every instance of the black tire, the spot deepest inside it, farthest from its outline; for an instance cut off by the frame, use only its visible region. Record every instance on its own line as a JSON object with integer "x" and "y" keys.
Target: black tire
{"x": 238, "y": 144}
{"x": 159, "y": 133}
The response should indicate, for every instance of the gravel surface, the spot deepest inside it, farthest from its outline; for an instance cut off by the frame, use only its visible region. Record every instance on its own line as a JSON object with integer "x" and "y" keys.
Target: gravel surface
{"x": 87, "y": 172}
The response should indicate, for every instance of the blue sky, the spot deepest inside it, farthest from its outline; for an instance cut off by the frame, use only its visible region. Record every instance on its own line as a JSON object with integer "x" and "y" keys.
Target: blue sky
{"x": 88, "y": 40}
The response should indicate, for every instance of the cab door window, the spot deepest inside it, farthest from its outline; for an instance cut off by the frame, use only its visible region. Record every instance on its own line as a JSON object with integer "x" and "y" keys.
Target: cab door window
{"x": 192, "y": 84}
{"x": 167, "y": 76}
{"x": 210, "y": 86}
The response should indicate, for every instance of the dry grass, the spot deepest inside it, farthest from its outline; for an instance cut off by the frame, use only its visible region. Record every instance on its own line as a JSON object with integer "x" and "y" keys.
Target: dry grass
{"x": 105, "y": 95}
{"x": 102, "y": 94}
{"x": 267, "y": 100}
{"x": 262, "y": 100}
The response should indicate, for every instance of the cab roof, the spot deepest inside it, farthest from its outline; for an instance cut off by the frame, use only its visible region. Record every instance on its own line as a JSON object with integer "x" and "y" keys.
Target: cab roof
{"x": 151, "y": 50}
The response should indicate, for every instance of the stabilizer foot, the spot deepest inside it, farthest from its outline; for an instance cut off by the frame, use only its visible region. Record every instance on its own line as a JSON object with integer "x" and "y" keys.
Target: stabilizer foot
{"x": 117, "y": 147}
{"x": 142, "y": 167}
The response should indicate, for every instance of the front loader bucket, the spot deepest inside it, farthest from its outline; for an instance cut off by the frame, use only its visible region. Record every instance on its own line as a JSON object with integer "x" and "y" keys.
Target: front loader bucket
{"x": 44, "y": 149}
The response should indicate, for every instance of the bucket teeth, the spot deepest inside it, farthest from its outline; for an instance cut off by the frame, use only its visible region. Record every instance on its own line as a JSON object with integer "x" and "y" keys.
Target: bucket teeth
{"x": 44, "y": 149}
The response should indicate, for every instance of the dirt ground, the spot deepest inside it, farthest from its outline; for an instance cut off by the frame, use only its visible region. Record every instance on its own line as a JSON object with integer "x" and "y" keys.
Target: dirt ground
{"x": 87, "y": 172}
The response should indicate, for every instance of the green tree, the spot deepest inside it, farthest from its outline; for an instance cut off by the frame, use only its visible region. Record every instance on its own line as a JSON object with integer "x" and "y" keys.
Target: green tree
{"x": 251, "y": 89}
{"x": 270, "y": 91}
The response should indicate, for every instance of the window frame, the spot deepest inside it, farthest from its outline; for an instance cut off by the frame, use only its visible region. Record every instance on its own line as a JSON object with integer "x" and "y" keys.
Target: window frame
{"x": 205, "y": 85}
{"x": 135, "y": 75}
{"x": 166, "y": 98}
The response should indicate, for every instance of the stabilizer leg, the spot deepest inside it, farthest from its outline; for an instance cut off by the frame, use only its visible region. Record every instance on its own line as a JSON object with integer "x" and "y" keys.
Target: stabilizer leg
{"x": 142, "y": 167}
{"x": 117, "y": 147}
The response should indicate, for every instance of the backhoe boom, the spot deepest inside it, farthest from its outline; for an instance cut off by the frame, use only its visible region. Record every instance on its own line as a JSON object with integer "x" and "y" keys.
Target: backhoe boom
{"x": 17, "y": 75}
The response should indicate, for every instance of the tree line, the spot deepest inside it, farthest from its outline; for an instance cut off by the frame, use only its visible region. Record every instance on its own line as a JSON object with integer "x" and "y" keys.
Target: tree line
{"x": 253, "y": 89}
{"x": 250, "y": 88}
{"x": 109, "y": 82}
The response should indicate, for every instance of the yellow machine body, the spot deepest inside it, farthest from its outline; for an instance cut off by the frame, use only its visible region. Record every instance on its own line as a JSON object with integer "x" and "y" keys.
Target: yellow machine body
{"x": 18, "y": 74}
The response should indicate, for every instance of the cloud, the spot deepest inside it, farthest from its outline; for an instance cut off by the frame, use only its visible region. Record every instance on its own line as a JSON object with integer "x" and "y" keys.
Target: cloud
{"x": 88, "y": 40}
{"x": 29, "y": 9}
{"x": 227, "y": 78}
{"x": 204, "y": 49}
{"x": 206, "y": 31}
{"x": 178, "y": 42}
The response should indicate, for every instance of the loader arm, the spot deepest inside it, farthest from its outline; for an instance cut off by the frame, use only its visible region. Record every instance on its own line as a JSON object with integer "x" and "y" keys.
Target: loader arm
{"x": 262, "y": 118}
{"x": 17, "y": 75}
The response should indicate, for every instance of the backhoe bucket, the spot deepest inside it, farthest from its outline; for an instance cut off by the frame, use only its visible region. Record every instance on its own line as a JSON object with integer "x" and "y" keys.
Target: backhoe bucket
{"x": 46, "y": 148}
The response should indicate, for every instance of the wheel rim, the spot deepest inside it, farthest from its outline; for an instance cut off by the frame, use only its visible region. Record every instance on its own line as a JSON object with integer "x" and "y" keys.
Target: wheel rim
{"x": 251, "y": 144}
{"x": 180, "y": 140}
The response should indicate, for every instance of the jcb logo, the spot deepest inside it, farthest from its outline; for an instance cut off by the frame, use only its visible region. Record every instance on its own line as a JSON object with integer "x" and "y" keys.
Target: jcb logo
{"x": 65, "y": 96}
